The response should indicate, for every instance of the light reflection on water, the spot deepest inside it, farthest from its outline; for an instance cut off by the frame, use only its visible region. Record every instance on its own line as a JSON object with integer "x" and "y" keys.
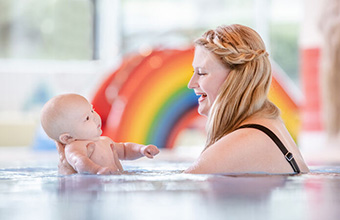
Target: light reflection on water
{"x": 162, "y": 191}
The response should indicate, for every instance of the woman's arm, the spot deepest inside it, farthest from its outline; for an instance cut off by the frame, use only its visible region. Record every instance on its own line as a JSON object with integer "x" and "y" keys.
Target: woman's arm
{"x": 210, "y": 161}
{"x": 221, "y": 157}
{"x": 64, "y": 168}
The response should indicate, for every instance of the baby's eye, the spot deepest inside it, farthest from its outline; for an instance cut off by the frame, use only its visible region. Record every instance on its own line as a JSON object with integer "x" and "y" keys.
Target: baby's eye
{"x": 87, "y": 118}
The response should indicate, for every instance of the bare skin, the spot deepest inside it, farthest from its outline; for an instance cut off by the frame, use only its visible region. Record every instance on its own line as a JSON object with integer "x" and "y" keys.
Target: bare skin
{"x": 71, "y": 121}
{"x": 249, "y": 150}
{"x": 95, "y": 157}
{"x": 88, "y": 157}
{"x": 245, "y": 150}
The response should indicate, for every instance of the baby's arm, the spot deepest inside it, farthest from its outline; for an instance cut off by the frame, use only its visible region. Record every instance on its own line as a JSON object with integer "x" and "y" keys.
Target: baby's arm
{"x": 77, "y": 155}
{"x": 131, "y": 151}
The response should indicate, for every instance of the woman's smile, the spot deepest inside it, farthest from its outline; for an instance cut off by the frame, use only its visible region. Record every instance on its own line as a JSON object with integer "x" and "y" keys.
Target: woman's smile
{"x": 209, "y": 75}
{"x": 202, "y": 96}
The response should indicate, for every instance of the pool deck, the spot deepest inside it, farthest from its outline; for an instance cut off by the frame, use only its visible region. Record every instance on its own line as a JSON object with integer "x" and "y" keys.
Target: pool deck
{"x": 30, "y": 188}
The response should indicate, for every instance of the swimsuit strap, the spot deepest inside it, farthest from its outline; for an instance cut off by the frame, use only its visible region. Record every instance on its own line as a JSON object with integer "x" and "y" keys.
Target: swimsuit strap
{"x": 288, "y": 155}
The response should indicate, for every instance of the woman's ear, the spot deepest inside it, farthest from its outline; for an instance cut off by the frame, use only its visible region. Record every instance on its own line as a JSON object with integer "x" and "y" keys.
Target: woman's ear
{"x": 66, "y": 138}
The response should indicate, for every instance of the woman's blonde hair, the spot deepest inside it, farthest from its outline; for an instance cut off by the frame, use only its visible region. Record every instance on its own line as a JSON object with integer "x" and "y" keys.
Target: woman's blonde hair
{"x": 244, "y": 92}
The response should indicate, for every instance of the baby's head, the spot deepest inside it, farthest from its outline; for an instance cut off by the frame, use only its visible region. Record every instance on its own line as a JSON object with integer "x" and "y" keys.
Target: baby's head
{"x": 70, "y": 117}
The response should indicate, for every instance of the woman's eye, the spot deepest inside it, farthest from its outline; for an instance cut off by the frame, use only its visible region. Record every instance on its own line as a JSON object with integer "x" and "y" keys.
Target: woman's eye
{"x": 198, "y": 73}
{"x": 201, "y": 74}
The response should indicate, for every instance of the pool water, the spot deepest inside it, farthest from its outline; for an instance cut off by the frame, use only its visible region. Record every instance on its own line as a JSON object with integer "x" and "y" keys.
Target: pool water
{"x": 159, "y": 190}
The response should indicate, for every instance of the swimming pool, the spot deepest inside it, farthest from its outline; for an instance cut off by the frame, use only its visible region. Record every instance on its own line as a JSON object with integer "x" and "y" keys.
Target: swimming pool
{"x": 30, "y": 188}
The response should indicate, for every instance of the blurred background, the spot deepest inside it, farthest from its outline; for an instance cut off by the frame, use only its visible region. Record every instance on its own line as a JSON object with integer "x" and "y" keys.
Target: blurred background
{"x": 48, "y": 47}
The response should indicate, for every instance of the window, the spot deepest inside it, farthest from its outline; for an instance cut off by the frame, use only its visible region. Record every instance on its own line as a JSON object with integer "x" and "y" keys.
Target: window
{"x": 47, "y": 29}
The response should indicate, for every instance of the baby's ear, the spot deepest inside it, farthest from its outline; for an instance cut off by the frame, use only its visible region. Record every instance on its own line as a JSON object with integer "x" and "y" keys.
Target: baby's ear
{"x": 66, "y": 138}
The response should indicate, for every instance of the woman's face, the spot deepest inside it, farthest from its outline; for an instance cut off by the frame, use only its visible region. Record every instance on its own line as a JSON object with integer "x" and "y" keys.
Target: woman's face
{"x": 209, "y": 74}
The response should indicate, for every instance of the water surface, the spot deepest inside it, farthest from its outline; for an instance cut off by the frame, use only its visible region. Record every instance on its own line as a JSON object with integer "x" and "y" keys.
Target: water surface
{"x": 32, "y": 189}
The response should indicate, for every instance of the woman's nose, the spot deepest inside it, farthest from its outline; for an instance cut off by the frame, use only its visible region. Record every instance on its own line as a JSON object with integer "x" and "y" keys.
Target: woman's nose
{"x": 193, "y": 82}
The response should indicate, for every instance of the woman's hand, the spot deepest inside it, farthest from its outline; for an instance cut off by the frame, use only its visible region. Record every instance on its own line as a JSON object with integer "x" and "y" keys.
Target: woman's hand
{"x": 64, "y": 167}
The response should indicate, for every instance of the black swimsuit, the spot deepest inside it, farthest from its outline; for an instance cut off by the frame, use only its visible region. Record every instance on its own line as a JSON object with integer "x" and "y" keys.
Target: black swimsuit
{"x": 288, "y": 155}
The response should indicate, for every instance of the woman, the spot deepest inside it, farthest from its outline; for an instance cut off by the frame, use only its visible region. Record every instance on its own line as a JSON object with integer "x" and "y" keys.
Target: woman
{"x": 232, "y": 76}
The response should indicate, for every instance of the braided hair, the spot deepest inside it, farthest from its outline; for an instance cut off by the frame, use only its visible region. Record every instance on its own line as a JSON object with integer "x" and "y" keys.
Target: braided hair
{"x": 244, "y": 92}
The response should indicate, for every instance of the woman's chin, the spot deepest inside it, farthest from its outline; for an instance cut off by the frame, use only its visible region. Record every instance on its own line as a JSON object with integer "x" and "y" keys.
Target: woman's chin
{"x": 202, "y": 112}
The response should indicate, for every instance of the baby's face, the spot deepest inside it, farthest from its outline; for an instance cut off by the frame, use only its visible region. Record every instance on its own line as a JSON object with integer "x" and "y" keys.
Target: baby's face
{"x": 83, "y": 122}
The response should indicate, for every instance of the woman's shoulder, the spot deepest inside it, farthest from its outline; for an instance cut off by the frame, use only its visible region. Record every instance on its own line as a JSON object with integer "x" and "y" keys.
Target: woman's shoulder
{"x": 235, "y": 152}
{"x": 246, "y": 150}
{"x": 250, "y": 135}
{"x": 272, "y": 150}
{"x": 255, "y": 136}
{"x": 264, "y": 126}
{"x": 242, "y": 142}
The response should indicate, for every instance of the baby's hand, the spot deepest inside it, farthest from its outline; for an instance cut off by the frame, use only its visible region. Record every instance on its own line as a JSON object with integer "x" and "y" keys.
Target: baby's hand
{"x": 108, "y": 171}
{"x": 149, "y": 151}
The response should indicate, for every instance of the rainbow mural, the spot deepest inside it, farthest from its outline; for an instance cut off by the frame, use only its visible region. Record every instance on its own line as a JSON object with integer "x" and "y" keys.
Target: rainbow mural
{"x": 146, "y": 100}
{"x": 287, "y": 100}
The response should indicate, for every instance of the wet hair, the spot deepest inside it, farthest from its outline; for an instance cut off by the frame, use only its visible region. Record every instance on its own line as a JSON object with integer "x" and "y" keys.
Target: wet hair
{"x": 245, "y": 90}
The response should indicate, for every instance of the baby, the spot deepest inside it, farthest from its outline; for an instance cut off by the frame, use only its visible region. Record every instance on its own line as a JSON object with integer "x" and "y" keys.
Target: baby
{"x": 70, "y": 120}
